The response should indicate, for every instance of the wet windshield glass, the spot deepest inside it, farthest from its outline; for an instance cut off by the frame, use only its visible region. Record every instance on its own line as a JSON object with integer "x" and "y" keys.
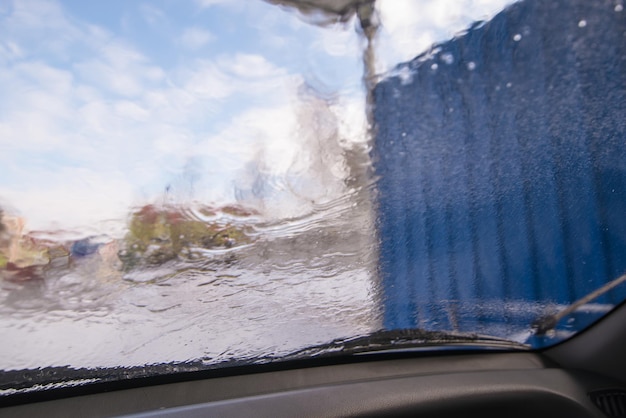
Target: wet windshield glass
{"x": 209, "y": 182}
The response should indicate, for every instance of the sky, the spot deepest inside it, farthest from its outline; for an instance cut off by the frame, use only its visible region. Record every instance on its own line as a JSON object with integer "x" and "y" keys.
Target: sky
{"x": 106, "y": 105}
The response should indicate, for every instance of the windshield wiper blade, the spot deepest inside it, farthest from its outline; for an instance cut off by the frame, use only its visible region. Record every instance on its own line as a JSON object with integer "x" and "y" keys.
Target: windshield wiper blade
{"x": 405, "y": 339}
{"x": 545, "y": 323}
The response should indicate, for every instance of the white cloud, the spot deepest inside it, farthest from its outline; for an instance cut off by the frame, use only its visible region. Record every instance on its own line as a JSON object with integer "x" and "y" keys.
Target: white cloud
{"x": 242, "y": 74}
{"x": 207, "y": 81}
{"x": 111, "y": 127}
{"x": 151, "y": 14}
{"x": 249, "y": 66}
{"x": 9, "y": 51}
{"x": 195, "y": 38}
{"x": 209, "y": 3}
{"x": 41, "y": 23}
{"x": 71, "y": 150}
{"x": 132, "y": 110}
{"x": 39, "y": 14}
{"x": 73, "y": 132}
{"x": 72, "y": 197}
{"x": 120, "y": 69}
{"x": 410, "y": 27}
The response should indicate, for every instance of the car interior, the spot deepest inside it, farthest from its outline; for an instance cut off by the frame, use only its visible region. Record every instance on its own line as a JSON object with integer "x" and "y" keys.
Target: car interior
{"x": 561, "y": 366}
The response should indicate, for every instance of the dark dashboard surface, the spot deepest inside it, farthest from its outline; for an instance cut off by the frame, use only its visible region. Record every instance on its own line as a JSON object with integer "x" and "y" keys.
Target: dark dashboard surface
{"x": 488, "y": 384}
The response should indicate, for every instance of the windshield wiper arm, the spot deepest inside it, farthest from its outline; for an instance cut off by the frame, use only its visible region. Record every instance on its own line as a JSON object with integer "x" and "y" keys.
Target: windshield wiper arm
{"x": 545, "y": 323}
{"x": 403, "y": 339}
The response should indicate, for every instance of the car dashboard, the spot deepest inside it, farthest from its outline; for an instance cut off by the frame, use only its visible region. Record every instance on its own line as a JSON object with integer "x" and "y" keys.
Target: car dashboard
{"x": 582, "y": 377}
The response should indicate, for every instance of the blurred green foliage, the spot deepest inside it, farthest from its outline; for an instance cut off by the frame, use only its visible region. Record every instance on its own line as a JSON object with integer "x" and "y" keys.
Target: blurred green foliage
{"x": 159, "y": 234}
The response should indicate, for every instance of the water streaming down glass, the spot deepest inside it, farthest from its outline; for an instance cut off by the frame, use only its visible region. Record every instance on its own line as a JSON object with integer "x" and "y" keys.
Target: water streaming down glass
{"x": 196, "y": 184}
{"x": 213, "y": 209}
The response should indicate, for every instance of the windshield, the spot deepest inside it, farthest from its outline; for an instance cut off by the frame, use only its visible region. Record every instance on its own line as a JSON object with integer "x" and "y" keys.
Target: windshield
{"x": 207, "y": 183}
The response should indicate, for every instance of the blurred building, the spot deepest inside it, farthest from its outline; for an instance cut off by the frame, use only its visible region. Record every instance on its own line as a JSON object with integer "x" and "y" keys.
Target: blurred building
{"x": 502, "y": 167}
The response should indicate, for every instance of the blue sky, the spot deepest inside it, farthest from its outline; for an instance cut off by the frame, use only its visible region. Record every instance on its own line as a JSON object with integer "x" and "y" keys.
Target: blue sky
{"x": 104, "y": 104}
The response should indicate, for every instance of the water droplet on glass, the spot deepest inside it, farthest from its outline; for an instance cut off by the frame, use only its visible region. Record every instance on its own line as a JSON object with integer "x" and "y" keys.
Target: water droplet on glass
{"x": 517, "y": 37}
{"x": 447, "y": 57}
{"x": 582, "y": 23}
{"x": 406, "y": 75}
